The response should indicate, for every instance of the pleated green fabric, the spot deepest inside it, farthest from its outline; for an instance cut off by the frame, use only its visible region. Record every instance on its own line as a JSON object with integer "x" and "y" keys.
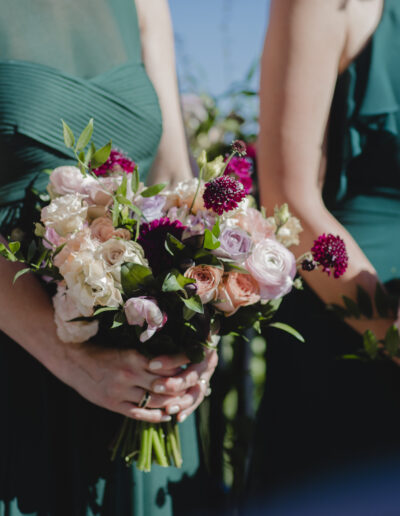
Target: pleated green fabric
{"x": 54, "y": 457}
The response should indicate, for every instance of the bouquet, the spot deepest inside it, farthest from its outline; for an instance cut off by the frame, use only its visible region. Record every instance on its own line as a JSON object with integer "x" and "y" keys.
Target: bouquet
{"x": 161, "y": 269}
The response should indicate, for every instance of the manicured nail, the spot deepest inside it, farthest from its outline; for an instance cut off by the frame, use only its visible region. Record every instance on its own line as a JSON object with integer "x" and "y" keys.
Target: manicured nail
{"x": 174, "y": 409}
{"x": 165, "y": 419}
{"x": 155, "y": 364}
{"x": 182, "y": 418}
{"x": 159, "y": 388}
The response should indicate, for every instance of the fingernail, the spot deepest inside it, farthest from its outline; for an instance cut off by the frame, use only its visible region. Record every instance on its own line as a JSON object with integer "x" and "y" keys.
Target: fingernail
{"x": 165, "y": 419}
{"x": 178, "y": 381}
{"x": 174, "y": 409}
{"x": 159, "y": 388}
{"x": 182, "y": 418}
{"x": 155, "y": 364}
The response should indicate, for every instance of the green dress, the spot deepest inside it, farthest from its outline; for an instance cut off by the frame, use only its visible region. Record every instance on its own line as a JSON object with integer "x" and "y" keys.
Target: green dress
{"x": 72, "y": 60}
{"x": 320, "y": 412}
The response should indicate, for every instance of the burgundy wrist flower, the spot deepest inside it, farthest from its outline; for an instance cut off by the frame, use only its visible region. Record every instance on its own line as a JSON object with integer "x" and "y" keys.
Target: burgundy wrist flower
{"x": 329, "y": 251}
{"x": 223, "y": 194}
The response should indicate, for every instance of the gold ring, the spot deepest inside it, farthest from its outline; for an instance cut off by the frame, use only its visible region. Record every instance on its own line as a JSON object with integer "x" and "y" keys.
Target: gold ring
{"x": 145, "y": 400}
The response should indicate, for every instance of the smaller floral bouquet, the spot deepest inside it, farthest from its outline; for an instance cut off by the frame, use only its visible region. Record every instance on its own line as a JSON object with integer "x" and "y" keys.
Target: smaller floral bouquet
{"x": 159, "y": 269}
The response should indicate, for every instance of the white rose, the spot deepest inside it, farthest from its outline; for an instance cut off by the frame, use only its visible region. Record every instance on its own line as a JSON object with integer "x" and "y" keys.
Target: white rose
{"x": 65, "y": 309}
{"x": 89, "y": 282}
{"x": 65, "y": 214}
{"x": 66, "y": 180}
{"x": 114, "y": 252}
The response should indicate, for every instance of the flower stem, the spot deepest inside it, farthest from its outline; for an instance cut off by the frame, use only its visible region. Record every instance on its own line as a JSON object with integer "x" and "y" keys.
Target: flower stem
{"x": 173, "y": 445}
{"x": 158, "y": 448}
{"x": 227, "y": 163}
{"x": 144, "y": 446}
{"x": 201, "y": 173}
{"x": 120, "y": 437}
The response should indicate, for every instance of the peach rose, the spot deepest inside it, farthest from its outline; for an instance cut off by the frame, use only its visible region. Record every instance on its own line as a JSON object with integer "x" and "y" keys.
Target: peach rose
{"x": 207, "y": 279}
{"x": 102, "y": 229}
{"x": 255, "y": 224}
{"x": 237, "y": 289}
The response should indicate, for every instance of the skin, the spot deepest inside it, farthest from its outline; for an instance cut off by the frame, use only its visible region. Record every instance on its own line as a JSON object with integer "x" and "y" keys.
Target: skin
{"x": 115, "y": 379}
{"x": 308, "y": 44}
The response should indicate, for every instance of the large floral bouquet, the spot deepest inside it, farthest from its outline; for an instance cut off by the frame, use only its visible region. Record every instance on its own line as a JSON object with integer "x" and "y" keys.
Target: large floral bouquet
{"x": 160, "y": 269}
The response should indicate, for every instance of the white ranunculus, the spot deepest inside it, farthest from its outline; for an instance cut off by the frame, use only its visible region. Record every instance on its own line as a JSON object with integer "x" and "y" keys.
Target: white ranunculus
{"x": 65, "y": 214}
{"x": 66, "y": 180}
{"x": 66, "y": 309}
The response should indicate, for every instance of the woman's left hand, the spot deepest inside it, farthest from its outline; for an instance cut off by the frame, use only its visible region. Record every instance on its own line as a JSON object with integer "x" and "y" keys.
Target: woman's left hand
{"x": 189, "y": 387}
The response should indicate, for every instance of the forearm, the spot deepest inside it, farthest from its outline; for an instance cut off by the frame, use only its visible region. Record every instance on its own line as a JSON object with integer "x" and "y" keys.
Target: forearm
{"x": 26, "y": 315}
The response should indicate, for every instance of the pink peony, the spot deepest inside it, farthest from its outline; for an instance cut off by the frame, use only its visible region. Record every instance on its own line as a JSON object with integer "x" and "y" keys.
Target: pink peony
{"x": 207, "y": 279}
{"x": 236, "y": 290}
{"x": 273, "y": 266}
{"x": 141, "y": 310}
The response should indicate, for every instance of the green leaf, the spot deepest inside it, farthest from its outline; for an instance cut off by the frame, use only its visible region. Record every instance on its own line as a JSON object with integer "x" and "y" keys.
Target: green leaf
{"x": 126, "y": 202}
{"x": 173, "y": 245}
{"x": 105, "y": 309}
{"x": 134, "y": 277}
{"x": 101, "y": 155}
{"x": 4, "y": 251}
{"x": 123, "y": 186}
{"x": 153, "y": 190}
{"x": 216, "y": 231}
{"x": 188, "y": 313}
{"x": 31, "y": 251}
{"x": 350, "y": 357}
{"x": 14, "y": 247}
{"x": 20, "y": 273}
{"x": 352, "y": 307}
{"x": 288, "y": 329}
{"x": 210, "y": 240}
{"x": 382, "y": 301}
{"x": 89, "y": 154}
{"x": 85, "y": 136}
{"x": 174, "y": 281}
{"x": 69, "y": 138}
{"x": 115, "y": 213}
{"x": 392, "y": 341}
{"x": 135, "y": 181}
{"x": 194, "y": 303}
{"x": 364, "y": 302}
{"x": 371, "y": 344}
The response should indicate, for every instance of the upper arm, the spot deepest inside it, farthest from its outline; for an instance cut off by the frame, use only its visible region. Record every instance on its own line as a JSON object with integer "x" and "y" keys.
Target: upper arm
{"x": 157, "y": 39}
{"x": 300, "y": 63}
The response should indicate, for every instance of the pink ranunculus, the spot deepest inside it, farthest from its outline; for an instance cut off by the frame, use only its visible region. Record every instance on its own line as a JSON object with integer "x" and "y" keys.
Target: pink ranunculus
{"x": 141, "y": 310}
{"x": 237, "y": 289}
{"x": 273, "y": 266}
{"x": 207, "y": 279}
{"x": 66, "y": 180}
{"x": 255, "y": 224}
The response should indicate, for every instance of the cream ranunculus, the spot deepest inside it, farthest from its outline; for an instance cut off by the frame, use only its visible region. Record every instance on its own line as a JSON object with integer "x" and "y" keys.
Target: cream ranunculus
{"x": 273, "y": 267}
{"x": 65, "y": 214}
{"x": 66, "y": 309}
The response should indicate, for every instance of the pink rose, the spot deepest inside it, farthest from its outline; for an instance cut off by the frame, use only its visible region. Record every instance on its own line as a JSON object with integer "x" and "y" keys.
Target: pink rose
{"x": 102, "y": 229}
{"x": 273, "y": 266}
{"x": 66, "y": 180}
{"x": 237, "y": 289}
{"x": 141, "y": 310}
{"x": 207, "y": 279}
{"x": 255, "y": 224}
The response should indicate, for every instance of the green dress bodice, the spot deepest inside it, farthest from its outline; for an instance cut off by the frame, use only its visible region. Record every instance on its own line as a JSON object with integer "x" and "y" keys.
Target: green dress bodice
{"x": 72, "y": 60}
{"x": 321, "y": 412}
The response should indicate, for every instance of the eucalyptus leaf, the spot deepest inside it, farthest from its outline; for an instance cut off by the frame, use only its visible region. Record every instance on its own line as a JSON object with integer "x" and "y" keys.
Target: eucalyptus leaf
{"x": 352, "y": 307}
{"x": 69, "y": 138}
{"x": 134, "y": 277}
{"x": 101, "y": 155}
{"x": 364, "y": 302}
{"x": 153, "y": 190}
{"x": 382, "y": 301}
{"x": 392, "y": 341}
{"x": 85, "y": 136}
{"x": 194, "y": 303}
{"x": 288, "y": 329}
{"x": 371, "y": 344}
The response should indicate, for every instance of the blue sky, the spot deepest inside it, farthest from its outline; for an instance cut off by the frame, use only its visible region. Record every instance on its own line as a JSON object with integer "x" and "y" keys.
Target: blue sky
{"x": 217, "y": 41}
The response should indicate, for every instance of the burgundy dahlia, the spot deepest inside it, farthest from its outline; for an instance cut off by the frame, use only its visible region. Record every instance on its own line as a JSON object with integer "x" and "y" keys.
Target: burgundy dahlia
{"x": 116, "y": 162}
{"x": 223, "y": 194}
{"x": 329, "y": 251}
{"x": 240, "y": 168}
{"x": 152, "y": 238}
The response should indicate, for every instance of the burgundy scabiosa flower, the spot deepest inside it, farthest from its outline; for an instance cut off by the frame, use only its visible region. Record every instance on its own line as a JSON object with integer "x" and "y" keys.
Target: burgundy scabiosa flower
{"x": 239, "y": 147}
{"x": 223, "y": 194}
{"x": 116, "y": 162}
{"x": 329, "y": 251}
{"x": 152, "y": 238}
{"x": 240, "y": 168}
